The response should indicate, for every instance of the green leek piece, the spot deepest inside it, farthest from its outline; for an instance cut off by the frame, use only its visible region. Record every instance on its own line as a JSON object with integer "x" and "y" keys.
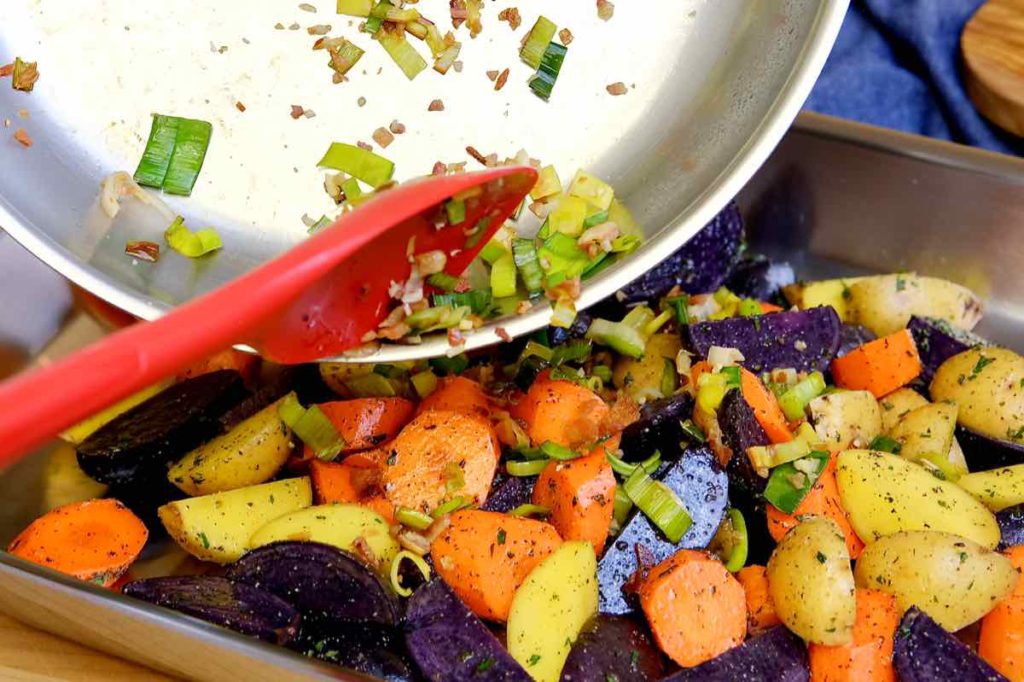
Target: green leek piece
{"x": 791, "y": 482}
{"x": 524, "y": 252}
{"x": 623, "y": 505}
{"x": 939, "y": 466}
{"x": 770, "y": 456}
{"x": 434, "y": 41}
{"x": 553, "y": 450}
{"x": 638, "y": 318}
{"x": 547, "y": 73}
{"x": 592, "y": 189}
{"x": 669, "y": 377}
{"x": 413, "y": 519}
{"x": 417, "y": 29}
{"x": 731, "y": 542}
{"x": 402, "y": 16}
{"x": 602, "y": 372}
{"x": 530, "y": 510}
{"x": 448, "y": 366}
{"x": 657, "y": 323}
{"x": 680, "y": 304}
{"x": 443, "y": 281}
{"x": 359, "y": 163}
{"x": 371, "y": 385}
{"x": 424, "y": 383}
{"x": 452, "y": 505}
{"x": 402, "y": 52}
{"x": 312, "y": 427}
{"x": 319, "y": 225}
{"x": 618, "y": 336}
{"x": 574, "y": 352}
{"x": 794, "y": 401}
{"x": 477, "y": 300}
{"x": 548, "y": 183}
{"x": 537, "y": 41}
{"x": 456, "y": 211}
{"x": 527, "y": 468}
{"x": 749, "y": 308}
{"x": 693, "y": 432}
{"x": 598, "y": 218}
{"x": 560, "y": 254}
{"x": 563, "y": 313}
{"x": 532, "y": 348}
{"x": 437, "y": 317}
{"x": 190, "y": 147}
{"x": 156, "y": 159}
{"x": 885, "y": 444}
{"x": 191, "y": 244}
{"x": 355, "y": 8}
{"x": 732, "y": 376}
{"x": 568, "y": 216}
{"x": 345, "y": 56}
{"x": 376, "y": 19}
{"x": 492, "y": 251}
{"x": 396, "y": 569}
{"x": 626, "y": 469}
{"x": 659, "y": 504}
{"x": 503, "y": 276}
{"x": 711, "y": 390}
{"x": 351, "y": 189}
{"x": 626, "y": 243}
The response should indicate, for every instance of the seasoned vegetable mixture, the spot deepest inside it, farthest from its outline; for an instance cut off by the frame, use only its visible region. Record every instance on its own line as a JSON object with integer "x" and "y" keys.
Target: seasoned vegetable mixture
{"x": 718, "y": 474}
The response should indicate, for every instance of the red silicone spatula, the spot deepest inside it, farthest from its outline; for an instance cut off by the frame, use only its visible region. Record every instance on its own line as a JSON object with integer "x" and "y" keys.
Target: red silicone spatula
{"x": 315, "y": 301}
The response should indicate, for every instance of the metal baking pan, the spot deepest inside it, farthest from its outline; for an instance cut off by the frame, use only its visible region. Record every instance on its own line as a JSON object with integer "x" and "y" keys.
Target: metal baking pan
{"x": 713, "y": 85}
{"x": 834, "y": 197}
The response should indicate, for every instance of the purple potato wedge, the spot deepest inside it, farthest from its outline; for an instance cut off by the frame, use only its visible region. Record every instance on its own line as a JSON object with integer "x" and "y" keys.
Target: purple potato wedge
{"x": 509, "y": 492}
{"x": 741, "y": 430}
{"x": 759, "y": 278}
{"x": 777, "y": 655}
{"x": 704, "y": 489}
{"x": 853, "y": 336}
{"x": 984, "y": 452}
{"x": 700, "y": 266}
{"x": 614, "y": 648}
{"x": 368, "y": 648}
{"x": 938, "y": 341}
{"x": 923, "y": 651}
{"x": 805, "y": 340}
{"x": 450, "y": 644}
{"x": 660, "y": 428}
{"x": 318, "y": 580}
{"x": 1011, "y": 526}
{"x": 236, "y": 606}
{"x": 139, "y": 445}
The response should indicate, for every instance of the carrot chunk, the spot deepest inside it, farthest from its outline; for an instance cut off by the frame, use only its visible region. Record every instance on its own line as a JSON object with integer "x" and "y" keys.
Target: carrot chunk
{"x": 696, "y": 609}
{"x": 769, "y": 308}
{"x": 438, "y": 456}
{"x": 350, "y": 483}
{"x": 868, "y": 658}
{"x": 365, "y": 423}
{"x": 95, "y": 540}
{"x": 766, "y": 407}
{"x": 562, "y": 412}
{"x": 1002, "y": 630}
{"x": 760, "y": 608}
{"x": 823, "y": 500}
{"x": 458, "y": 394}
{"x": 879, "y": 366}
{"x": 581, "y": 496}
{"x": 245, "y": 364}
{"x": 485, "y": 556}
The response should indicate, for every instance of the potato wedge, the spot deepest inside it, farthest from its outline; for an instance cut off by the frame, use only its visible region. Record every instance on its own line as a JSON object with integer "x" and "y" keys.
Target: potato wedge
{"x": 217, "y": 527}
{"x": 85, "y": 428}
{"x": 642, "y": 379}
{"x": 953, "y": 580}
{"x": 550, "y": 609}
{"x": 846, "y": 418}
{"x": 831, "y": 292}
{"x": 926, "y": 432}
{"x": 987, "y": 384}
{"x": 997, "y": 489}
{"x": 886, "y": 494}
{"x": 249, "y": 454}
{"x": 885, "y": 303}
{"x": 350, "y": 527}
{"x": 811, "y": 584}
{"x": 897, "y": 404}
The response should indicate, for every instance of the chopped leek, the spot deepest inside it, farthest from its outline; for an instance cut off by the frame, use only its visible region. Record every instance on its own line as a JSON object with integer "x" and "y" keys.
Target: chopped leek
{"x": 618, "y": 336}
{"x": 456, "y": 212}
{"x": 657, "y": 323}
{"x": 453, "y": 365}
{"x": 602, "y": 372}
{"x": 492, "y": 251}
{"x": 319, "y": 225}
{"x": 547, "y": 185}
{"x": 376, "y": 18}
{"x": 669, "y": 377}
{"x": 451, "y": 506}
{"x": 680, "y": 304}
{"x": 157, "y": 156}
{"x": 659, "y": 504}
{"x": 344, "y": 56}
{"x": 593, "y": 190}
{"x": 561, "y": 254}
{"x": 748, "y": 307}
{"x": 711, "y": 390}
{"x": 360, "y": 163}
{"x": 424, "y": 383}
{"x": 568, "y": 216}
{"x": 730, "y": 543}
{"x": 791, "y": 482}
{"x": 396, "y": 567}
{"x": 638, "y": 318}
{"x": 191, "y": 244}
{"x": 794, "y": 401}
{"x": 732, "y": 376}
{"x": 190, "y": 147}
{"x": 764, "y": 457}
{"x": 527, "y": 468}
{"x": 351, "y": 189}
{"x": 693, "y": 431}
{"x": 371, "y": 385}
{"x": 625, "y": 469}
{"x": 563, "y": 313}
{"x": 443, "y": 281}
{"x": 939, "y": 466}
{"x": 537, "y": 42}
{"x": 530, "y": 510}
{"x": 477, "y": 300}
{"x": 574, "y": 352}
{"x": 503, "y": 276}
{"x": 524, "y": 253}
{"x": 623, "y": 505}
{"x": 402, "y": 52}
{"x": 598, "y": 218}
{"x": 437, "y": 317}
{"x": 355, "y": 8}
{"x": 885, "y": 444}
{"x": 555, "y": 451}
{"x": 413, "y": 519}
{"x": 312, "y": 427}
{"x": 547, "y": 73}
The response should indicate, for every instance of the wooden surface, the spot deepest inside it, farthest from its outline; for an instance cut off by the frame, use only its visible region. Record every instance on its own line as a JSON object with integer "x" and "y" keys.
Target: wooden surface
{"x": 993, "y": 50}
{"x": 28, "y": 655}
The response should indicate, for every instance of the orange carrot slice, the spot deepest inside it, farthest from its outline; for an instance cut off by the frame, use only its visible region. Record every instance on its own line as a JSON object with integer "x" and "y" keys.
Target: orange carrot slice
{"x": 562, "y": 412}
{"x": 581, "y": 496}
{"x": 245, "y": 364}
{"x": 96, "y": 540}
{"x": 438, "y": 456}
{"x": 766, "y": 408}
{"x": 822, "y": 500}
{"x": 760, "y": 609}
{"x": 485, "y": 556}
{"x": 458, "y": 394}
{"x": 365, "y": 423}
{"x": 1002, "y": 630}
{"x": 350, "y": 483}
{"x": 868, "y": 658}
{"x": 879, "y": 366}
{"x": 696, "y": 609}
{"x": 769, "y": 308}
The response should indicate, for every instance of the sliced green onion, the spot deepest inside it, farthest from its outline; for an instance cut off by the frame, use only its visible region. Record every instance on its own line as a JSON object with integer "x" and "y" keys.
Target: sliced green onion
{"x": 547, "y": 73}
{"x": 413, "y": 519}
{"x": 530, "y": 510}
{"x": 371, "y": 385}
{"x": 657, "y": 323}
{"x": 794, "y": 401}
{"x": 537, "y": 42}
{"x": 693, "y": 431}
{"x": 443, "y": 281}
{"x": 623, "y": 505}
{"x": 156, "y": 158}
{"x": 731, "y": 542}
{"x": 885, "y": 444}
{"x": 456, "y": 212}
{"x": 659, "y": 504}
{"x": 396, "y": 566}
{"x": 456, "y": 364}
{"x": 791, "y": 482}
{"x": 524, "y": 252}
{"x": 360, "y": 163}
{"x": 190, "y": 147}
{"x": 527, "y": 468}
{"x": 312, "y": 427}
{"x": 451, "y": 506}
{"x": 477, "y": 300}
{"x": 355, "y": 8}
{"x": 618, "y": 336}
{"x": 503, "y": 276}
{"x": 492, "y": 251}
{"x": 402, "y": 52}
{"x": 625, "y": 469}
{"x": 669, "y": 378}
{"x": 191, "y": 244}
{"x": 556, "y": 451}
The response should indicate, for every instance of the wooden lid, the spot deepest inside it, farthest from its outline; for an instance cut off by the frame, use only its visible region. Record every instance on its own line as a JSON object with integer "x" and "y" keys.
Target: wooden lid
{"x": 993, "y": 50}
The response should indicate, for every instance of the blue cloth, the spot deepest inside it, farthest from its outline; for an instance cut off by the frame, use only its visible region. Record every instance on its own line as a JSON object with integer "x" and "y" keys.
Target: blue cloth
{"x": 897, "y": 64}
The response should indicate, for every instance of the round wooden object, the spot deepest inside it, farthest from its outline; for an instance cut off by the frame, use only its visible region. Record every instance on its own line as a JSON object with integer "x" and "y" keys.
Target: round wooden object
{"x": 993, "y": 50}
